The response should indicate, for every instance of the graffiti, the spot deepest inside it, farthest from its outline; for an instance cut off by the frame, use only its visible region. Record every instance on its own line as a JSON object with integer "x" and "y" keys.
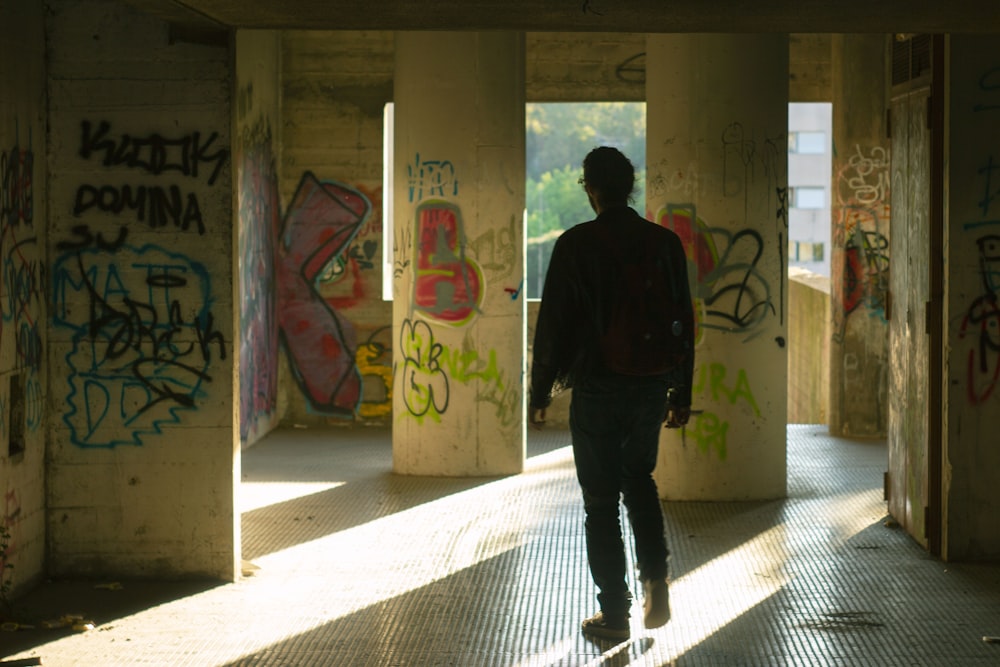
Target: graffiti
{"x": 153, "y": 154}
{"x": 982, "y": 323}
{"x": 86, "y": 239}
{"x": 319, "y": 225}
{"x": 738, "y": 153}
{"x": 11, "y": 520}
{"x": 22, "y": 268}
{"x": 260, "y": 224}
{"x": 496, "y": 252}
{"x": 588, "y": 8}
{"x": 143, "y": 339}
{"x": 156, "y": 205}
{"x": 708, "y": 432}
{"x": 16, "y": 189}
{"x": 991, "y": 191}
{"x": 424, "y": 384}
{"x": 374, "y": 362}
{"x": 666, "y": 181}
{"x": 781, "y": 212}
{"x": 866, "y": 271}
{"x": 861, "y": 216}
{"x": 448, "y": 286}
{"x": 632, "y": 69}
{"x": 22, "y": 280}
{"x": 431, "y": 178}
{"x": 864, "y": 180}
{"x": 34, "y": 402}
{"x": 735, "y": 297}
{"x": 402, "y": 240}
{"x": 466, "y": 366}
{"x": 515, "y": 293}
{"x": 989, "y": 82}
{"x": 361, "y": 255}
{"x": 712, "y": 381}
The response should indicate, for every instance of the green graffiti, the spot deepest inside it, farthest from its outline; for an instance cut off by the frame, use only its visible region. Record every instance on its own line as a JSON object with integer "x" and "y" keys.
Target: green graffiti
{"x": 714, "y": 376}
{"x": 708, "y": 433}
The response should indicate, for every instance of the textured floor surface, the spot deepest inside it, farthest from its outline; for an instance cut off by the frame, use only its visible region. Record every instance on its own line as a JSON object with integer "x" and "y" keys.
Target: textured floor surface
{"x": 357, "y": 566}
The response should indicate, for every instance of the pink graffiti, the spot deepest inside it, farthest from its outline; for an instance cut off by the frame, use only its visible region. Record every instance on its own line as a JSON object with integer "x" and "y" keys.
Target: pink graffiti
{"x": 448, "y": 286}
{"x": 321, "y": 221}
{"x": 260, "y": 217}
{"x": 697, "y": 242}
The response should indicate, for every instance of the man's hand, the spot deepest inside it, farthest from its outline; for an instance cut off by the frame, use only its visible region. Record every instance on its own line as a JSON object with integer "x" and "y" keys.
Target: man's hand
{"x": 536, "y": 417}
{"x": 677, "y": 416}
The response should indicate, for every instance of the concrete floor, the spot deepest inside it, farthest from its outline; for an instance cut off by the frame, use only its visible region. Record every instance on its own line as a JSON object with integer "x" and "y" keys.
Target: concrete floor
{"x": 357, "y": 566}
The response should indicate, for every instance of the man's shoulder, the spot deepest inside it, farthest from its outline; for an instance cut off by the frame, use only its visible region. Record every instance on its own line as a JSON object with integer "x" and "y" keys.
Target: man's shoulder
{"x": 578, "y": 232}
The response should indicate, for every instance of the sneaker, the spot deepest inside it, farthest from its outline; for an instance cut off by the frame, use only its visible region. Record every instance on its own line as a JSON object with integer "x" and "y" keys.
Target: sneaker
{"x": 602, "y": 627}
{"x": 656, "y": 605}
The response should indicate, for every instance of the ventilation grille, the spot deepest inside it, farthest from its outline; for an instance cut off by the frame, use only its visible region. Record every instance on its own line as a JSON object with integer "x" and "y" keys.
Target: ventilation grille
{"x": 911, "y": 58}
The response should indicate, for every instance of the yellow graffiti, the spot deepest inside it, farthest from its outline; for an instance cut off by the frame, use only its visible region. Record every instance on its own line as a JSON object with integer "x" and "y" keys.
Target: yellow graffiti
{"x": 365, "y": 358}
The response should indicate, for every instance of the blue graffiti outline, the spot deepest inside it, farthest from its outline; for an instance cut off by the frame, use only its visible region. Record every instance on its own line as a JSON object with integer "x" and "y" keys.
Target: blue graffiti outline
{"x": 82, "y": 333}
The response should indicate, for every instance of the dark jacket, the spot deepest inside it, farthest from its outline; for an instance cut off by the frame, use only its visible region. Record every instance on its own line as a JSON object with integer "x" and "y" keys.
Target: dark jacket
{"x": 577, "y": 298}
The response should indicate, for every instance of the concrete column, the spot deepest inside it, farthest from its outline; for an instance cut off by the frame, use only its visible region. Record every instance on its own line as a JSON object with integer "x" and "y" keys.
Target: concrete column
{"x": 860, "y": 238}
{"x": 971, "y": 474}
{"x": 458, "y": 308}
{"x": 717, "y": 110}
{"x": 142, "y": 453}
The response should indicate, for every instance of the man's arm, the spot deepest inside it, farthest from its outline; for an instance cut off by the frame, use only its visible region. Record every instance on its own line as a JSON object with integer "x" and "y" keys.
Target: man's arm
{"x": 549, "y": 333}
{"x": 679, "y": 403}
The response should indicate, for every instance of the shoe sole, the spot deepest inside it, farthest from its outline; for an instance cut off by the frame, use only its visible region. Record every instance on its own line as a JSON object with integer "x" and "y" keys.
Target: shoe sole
{"x": 659, "y": 614}
{"x": 656, "y": 620}
{"x": 611, "y": 635}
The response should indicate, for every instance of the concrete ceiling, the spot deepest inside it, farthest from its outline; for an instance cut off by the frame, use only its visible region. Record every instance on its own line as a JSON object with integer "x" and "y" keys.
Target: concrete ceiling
{"x": 730, "y": 16}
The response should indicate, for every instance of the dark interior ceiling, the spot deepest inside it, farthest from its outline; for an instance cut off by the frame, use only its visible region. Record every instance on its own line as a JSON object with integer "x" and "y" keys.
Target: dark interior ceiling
{"x": 725, "y": 16}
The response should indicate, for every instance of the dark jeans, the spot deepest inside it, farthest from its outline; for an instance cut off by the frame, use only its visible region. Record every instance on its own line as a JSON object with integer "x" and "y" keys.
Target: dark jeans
{"x": 615, "y": 424}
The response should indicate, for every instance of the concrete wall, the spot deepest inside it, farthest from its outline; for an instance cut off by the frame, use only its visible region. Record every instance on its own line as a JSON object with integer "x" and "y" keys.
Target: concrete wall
{"x": 23, "y": 224}
{"x": 809, "y": 68}
{"x": 336, "y": 331}
{"x": 860, "y": 262}
{"x": 585, "y": 67}
{"x": 717, "y": 131}
{"x": 144, "y": 452}
{"x": 808, "y": 347}
{"x": 256, "y": 150}
{"x": 971, "y": 475}
{"x": 334, "y": 88}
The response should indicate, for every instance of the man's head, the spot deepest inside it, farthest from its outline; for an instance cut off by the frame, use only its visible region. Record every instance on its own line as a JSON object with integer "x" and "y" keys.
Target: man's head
{"x": 609, "y": 177}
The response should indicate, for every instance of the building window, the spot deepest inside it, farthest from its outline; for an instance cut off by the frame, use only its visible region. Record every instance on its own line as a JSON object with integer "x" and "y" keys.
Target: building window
{"x": 808, "y": 197}
{"x": 799, "y": 251}
{"x": 807, "y": 143}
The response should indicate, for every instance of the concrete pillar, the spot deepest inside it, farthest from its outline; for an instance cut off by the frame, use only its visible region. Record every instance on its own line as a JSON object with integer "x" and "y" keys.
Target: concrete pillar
{"x": 717, "y": 110}
{"x": 458, "y": 305}
{"x": 971, "y": 475}
{"x": 860, "y": 247}
{"x": 142, "y": 453}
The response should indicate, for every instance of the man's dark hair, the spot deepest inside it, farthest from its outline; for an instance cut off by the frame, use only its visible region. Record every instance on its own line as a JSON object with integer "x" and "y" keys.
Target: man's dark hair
{"x": 610, "y": 175}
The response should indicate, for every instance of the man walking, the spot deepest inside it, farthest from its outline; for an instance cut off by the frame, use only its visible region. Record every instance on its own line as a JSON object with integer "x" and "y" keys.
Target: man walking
{"x": 616, "y": 325}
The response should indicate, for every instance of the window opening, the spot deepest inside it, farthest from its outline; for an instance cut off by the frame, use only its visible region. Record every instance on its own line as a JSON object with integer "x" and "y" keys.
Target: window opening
{"x": 558, "y": 136}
